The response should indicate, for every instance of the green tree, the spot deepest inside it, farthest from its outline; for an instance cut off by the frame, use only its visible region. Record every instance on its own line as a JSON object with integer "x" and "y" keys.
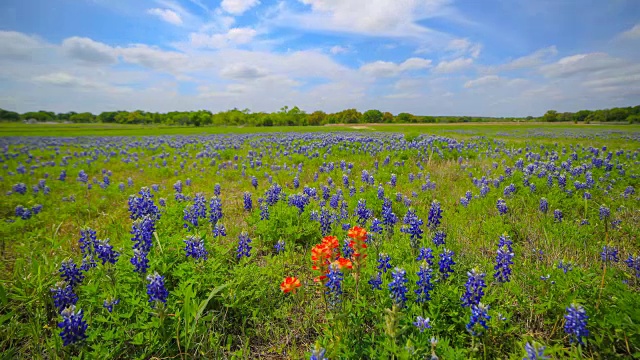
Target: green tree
{"x": 550, "y": 116}
{"x": 372, "y": 116}
{"x": 317, "y": 117}
{"x": 7, "y": 115}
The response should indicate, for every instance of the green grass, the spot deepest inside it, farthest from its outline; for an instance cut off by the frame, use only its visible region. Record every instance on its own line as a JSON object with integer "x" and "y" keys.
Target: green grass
{"x": 229, "y": 308}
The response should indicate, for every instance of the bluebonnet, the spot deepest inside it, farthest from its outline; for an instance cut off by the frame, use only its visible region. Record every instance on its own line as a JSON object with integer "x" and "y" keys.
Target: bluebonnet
{"x": 194, "y": 248}
{"x": 633, "y": 262}
{"x": 398, "y": 288}
{"x": 604, "y": 212}
{"x": 143, "y": 205}
{"x": 140, "y": 261}
{"x": 565, "y": 266}
{"x": 609, "y": 253}
{"x": 534, "y": 353}
{"x": 501, "y": 205}
{"x": 254, "y": 182}
{"x": 83, "y": 177}
{"x": 142, "y": 231}
{"x": 380, "y": 192}
{"x": 347, "y": 251}
{"x": 532, "y": 188}
{"x": 248, "y": 203}
{"x": 398, "y": 196}
{"x": 63, "y": 295}
{"x": 155, "y": 187}
{"x": 130, "y": 182}
{"x": 474, "y": 288}
{"x": 110, "y": 303}
{"x": 629, "y": 190}
{"x": 121, "y": 186}
{"x": 422, "y": 324}
{"x": 296, "y": 182}
{"x": 576, "y": 323}
{"x": 376, "y": 226}
{"x": 509, "y": 190}
{"x": 479, "y": 315}
{"x": 586, "y": 195}
{"x": 279, "y": 246}
{"x": 446, "y": 262}
{"x": 73, "y": 326}
{"x": 162, "y": 202}
{"x": 23, "y": 213}
{"x": 334, "y": 202}
{"x": 393, "y": 180}
{"x": 424, "y": 284}
{"x": 244, "y": 245}
{"x": 264, "y": 211}
{"x": 557, "y": 215}
{"x": 63, "y": 175}
{"x": 70, "y": 272}
{"x": 464, "y": 202}
{"x": 376, "y": 281}
{"x": 389, "y": 218}
{"x": 426, "y": 254}
{"x": 504, "y": 260}
{"x": 200, "y": 206}
{"x": 326, "y": 220}
{"x": 219, "y": 230}
{"x": 318, "y": 354}
{"x": 272, "y": 195}
{"x": 334, "y": 285}
{"x": 439, "y": 238}
{"x": 412, "y": 227}
{"x": 544, "y": 205}
{"x": 215, "y": 210}
{"x": 299, "y": 201}
{"x": 362, "y": 212}
{"x": 156, "y": 289}
{"x": 505, "y": 240}
{"x": 352, "y": 191}
{"x": 384, "y": 262}
{"x": 178, "y": 186}
{"x": 104, "y": 251}
{"x": 190, "y": 217}
{"x": 484, "y": 190}
{"x": 20, "y": 188}
{"x": 216, "y": 189}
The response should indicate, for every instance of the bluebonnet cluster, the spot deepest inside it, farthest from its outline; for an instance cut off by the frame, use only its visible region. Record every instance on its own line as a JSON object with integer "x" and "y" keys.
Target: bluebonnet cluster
{"x": 398, "y": 288}
{"x": 504, "y": 260}
{"x": 326, "y": 220}
{"x": 244, "y": 246}
{"x": 71, "y": 273}
{"x": 219, "y": 230}
{"x": 376, "y": 281}
{"x": 479, "y": 315}
{"x": 534, "y": 353}
{"x": 576, "y": 323}
{"x": 110, "y": 303}
{"x": 73, "y": 326}
{"x": 633, "y": 262}
{"x": 254, "y": 182}
{"x": 347, "y": 251}
{"x": 544, "y": 205}
{"x": 104, "y": 251}
{"x": 143, "y": 205}
{"x": 279, "y": 246}
{"x": 609, "y": 253}
{"x": 216, "y": 189}
{"x": 565, "y": 266}
{"x": 393, "y": 180}
{"x": 272, "y": 195}
{"x": 446, "y": 262}
{"x": 424, "y": 284}
{"x": 501, "y": 205}
{"x": 142, "y": 232}
{"x": 83, "y": 177}
{"x": 422, "y": 324}
{"x": 156, "y": 289}
{"x": 318, "y": 354}
{"x": 557, "y": 215}
{"x": 426, "y": 254}
{"x": 264, "y": 210}
{"x": 362, "y": 212}
{"x": 194, "y": 248}
{"x": 474, "y": 288}
{"x": 334, "y": 285}
{"x": 439, "y": 238}
{"x": 215, "y": 210}
{"x": 140, "y": 261}
{"x": 509, "y": 190}
{"x": 384, "y": 262}
{"x": 247, "y": 202}
{"x": 412, "y": 227}
{"x": 299, "y": 201}
{"x": 389, "y": 218}
{"x": 435, "y": 215}
{"x": 19, "y": 188}
{"x": 604, "y": 212}
{"x": 63, "y": 295}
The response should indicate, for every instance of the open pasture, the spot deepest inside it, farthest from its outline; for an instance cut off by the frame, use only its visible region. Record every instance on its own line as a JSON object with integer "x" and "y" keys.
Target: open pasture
{"x": 438, "y": 241}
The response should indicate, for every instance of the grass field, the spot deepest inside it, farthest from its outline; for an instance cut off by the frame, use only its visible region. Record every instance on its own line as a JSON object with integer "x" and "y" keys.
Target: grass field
{"x": 503, "y": 236}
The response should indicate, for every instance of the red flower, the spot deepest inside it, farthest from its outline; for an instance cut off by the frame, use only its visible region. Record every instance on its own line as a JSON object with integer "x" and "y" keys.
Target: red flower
{"x": 290, "y": 284}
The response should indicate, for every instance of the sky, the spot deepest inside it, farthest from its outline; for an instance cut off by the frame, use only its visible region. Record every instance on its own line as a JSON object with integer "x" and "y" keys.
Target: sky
{"x": 426, "y": 57}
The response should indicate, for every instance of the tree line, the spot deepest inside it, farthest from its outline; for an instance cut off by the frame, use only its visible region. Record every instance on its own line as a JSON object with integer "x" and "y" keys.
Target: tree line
{"x": 295, "y": 117}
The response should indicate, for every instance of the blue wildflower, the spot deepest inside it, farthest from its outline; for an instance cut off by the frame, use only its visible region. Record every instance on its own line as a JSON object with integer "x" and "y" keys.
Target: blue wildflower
{"x": 398, "y": 288}
{"x": 384, "y": 262}
{"x": 501, "y": 205}
{"x": 244, "y": 245}
{"x": 156, "y": 289}
{"x": 474, "y": 288}
{"x": 576, "y": 323}
{"x": 504, "y": 260}
{"x": 194, "y": 248}
{"x": 446, "y": 262}
{"x": 73, "y": 326}
{"x": 439, "y": 238}
{"x": 376, "y": 281}
{"x": 479, "y": 315}
{"x": 63, "y": 295}
{"x": 334, "y": 285}
{"x": 534, "y": 353}
{"x": 422, "y": 324}
{"x": 426, "y": 254}
{"x": 110, "y": 303}
{"x": 70, "y": 272}
{"x": 424, "y": 284}
{"x": 104, "y": 251}
{"x": 435, "y": 215}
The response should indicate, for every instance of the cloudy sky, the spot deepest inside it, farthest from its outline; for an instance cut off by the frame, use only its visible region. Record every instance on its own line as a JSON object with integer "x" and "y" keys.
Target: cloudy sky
{"x": 427, "y": 57}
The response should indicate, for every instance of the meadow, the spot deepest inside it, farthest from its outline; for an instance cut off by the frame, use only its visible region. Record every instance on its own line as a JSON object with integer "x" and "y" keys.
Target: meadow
{"x": 487, "y": 241}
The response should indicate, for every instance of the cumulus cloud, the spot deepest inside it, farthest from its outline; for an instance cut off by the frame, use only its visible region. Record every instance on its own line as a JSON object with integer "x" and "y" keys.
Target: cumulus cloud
{"x": 234, "y": 36}
{"x": 238, "y": 7}
{"x": 389, "y": 69}
{"x": 167, "y": 15}
{"x": 242, "y": 72}
{"x": 89, "y": 51}
{"x": 580, "y": 63}
{"x": 18, "y": 46}
{"x": 453, "y": 65}
{"x": 532, "y": 60}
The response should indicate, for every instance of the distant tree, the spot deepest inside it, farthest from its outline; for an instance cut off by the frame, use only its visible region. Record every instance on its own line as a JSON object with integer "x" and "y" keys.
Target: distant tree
{"x": 317, "y": 118}
{"x": 372, "y": 116}
{"x": 85, "y": 117}
{"x": 405, "y": 118}
{"x": 387, "y": 117}
{"x": 40, "y": 116}
{"x": 550, "y": 116}
{"x": 7, "y": 115}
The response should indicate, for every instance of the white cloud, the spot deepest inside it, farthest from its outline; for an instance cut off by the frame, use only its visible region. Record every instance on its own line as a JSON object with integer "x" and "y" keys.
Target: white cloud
{"x": 389, "y": 69}
{"x": 488, "y": 81}
{"x": 232, "y": 37}
{"x": 370, "y": 17}
{"x": 66, "y": 80}
{"x": 242, "y": 72}
{"x": 238, "y": 7}
{"x": 89, "y": 51}
{"x": 464, "y": 46}
{"x": 532, "y": 60}
{"x": 453, "y": 65}
{"x": 631, "y": 34}
{"x": 18, "y": 46}
{"x": 580, "y": 63}
{"x": 337, "y": 49}
{"x": 167, "y": 15}
{"x": 155, "y": 58}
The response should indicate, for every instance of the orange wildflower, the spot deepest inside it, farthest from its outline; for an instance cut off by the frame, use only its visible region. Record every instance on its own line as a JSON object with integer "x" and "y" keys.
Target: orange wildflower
{"x": 290, "y": 284}
{"x": 357, "y": 233}
{"x": 344, "y": 263}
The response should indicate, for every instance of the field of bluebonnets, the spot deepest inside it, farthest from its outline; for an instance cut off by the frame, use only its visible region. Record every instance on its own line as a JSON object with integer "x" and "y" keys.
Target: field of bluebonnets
{"x": 517, "y": 244}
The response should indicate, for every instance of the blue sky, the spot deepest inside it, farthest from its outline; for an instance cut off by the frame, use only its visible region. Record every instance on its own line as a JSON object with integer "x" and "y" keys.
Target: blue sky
{"x": 427, "y": 57}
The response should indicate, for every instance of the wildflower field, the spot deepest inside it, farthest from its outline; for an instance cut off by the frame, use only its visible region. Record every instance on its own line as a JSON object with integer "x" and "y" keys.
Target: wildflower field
{"x": 449, "y": 242}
